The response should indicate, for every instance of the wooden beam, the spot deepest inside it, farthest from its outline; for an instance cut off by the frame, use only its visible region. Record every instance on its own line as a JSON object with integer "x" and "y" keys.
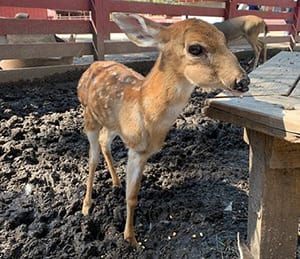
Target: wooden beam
{"x": 296, "y": 91}
{"x": 285, "y": 155}
{"x": 119, "y": 47}
{"x": 14, "y": 26}
{"x": 38, "y": 72}
{"x": 266, "y": 15}
{"x": 274, "y": 196}
{"x": 160, "y": 9}
{"x": 280, "y": 3}
{"x": 279, "y": 27}
{"x": 45, "y": 50}
{"x": 277, "y": 39}
{"x": 82, "y": 5}
{"x": 277, "y": 76}
{"x": 268, "y": 119}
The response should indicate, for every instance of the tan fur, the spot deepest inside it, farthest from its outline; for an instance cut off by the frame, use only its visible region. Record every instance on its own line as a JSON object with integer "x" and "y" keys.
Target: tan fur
{"x": 248, "y": 27}
{"x": 119, "y": 101}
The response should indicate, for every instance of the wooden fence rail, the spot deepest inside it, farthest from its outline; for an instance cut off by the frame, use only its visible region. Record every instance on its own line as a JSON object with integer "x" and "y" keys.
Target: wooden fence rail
{"x": 101, "y": 27}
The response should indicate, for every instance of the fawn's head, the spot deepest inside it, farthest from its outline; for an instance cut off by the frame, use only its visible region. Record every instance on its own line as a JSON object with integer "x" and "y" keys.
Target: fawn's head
{"x": 191, "y": 50}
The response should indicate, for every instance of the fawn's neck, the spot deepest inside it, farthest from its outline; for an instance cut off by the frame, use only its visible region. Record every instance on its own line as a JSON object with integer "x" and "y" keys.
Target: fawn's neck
{"x": 165, "y": 94}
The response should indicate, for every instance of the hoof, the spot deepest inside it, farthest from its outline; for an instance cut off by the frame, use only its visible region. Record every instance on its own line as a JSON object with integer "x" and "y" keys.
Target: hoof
{"x": 85, "y": 210}
{"x": 132, "y": 241}
{"x": 117, "y": 183}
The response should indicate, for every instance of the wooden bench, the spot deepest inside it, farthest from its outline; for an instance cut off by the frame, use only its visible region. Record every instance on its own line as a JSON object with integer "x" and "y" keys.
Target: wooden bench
{"x": 270, "y": 113}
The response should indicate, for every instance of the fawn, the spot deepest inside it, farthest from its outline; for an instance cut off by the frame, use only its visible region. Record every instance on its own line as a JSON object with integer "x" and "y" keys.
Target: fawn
{"x": 249, "y": 27}
{"x": 119, "y": 101}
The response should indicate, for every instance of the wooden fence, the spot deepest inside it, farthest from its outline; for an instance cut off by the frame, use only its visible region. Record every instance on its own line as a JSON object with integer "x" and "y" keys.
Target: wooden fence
{"x": 287, "y": 18}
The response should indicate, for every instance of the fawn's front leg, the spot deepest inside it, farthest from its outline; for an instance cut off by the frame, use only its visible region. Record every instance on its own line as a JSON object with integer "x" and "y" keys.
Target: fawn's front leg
{"x": 135, "y": 167}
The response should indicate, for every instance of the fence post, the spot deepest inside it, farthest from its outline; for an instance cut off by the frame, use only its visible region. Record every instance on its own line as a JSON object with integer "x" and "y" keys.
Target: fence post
{"x": 295, "y": 26}
{"x": 297, "y": 18}
{"x": 100, "y": 17}
{"x": 230, "y": 9}
{"x": 227, "y": 10}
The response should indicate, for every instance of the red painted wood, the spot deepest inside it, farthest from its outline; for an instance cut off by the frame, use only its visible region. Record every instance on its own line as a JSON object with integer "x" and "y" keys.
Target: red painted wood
{"x": 275, "y": 27}
{"x": 199, "y": 1}
{"x": 34, "y": 13}
{"x": 280, "y": 3}
{"x": 12, "y": 26}
{"x": 266, "y": 15}
{"x": 297, "y": 21}
{"x": 83, "y": 5}
{"x": 161, "y": 9}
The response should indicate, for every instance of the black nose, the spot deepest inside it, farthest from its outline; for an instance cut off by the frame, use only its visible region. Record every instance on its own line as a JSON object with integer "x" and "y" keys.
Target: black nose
{"x": 241, "y": 85}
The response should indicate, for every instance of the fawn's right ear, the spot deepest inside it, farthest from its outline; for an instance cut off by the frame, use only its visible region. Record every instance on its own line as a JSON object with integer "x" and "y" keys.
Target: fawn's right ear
{"x": 141, "y": 31}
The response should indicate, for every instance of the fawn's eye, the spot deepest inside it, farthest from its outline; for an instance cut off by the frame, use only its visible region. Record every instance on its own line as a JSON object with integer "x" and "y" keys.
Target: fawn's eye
{"x": 195, "y": 50}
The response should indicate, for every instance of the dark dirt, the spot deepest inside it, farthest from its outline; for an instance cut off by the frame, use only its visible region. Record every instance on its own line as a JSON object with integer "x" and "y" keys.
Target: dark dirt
{"x": 201, "y": 169}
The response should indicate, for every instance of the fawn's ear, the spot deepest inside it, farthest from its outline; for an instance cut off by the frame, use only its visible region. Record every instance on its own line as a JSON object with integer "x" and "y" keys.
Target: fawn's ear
{"x": 141, "y": 31}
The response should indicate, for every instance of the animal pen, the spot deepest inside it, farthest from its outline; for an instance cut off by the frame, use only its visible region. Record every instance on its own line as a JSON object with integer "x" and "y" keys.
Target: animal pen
{"x": 280, "y": 15}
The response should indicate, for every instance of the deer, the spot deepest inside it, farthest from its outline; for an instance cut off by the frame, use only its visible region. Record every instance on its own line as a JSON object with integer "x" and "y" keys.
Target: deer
{"x": 248, "y": 27}
{"x": 117, "y": 101}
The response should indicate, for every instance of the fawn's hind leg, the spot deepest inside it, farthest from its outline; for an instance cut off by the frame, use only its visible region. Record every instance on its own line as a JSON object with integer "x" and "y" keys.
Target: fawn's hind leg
{"x": 105, "y": 139}
{"x": 93, "y": 162}
{"x": 92, "y": 129}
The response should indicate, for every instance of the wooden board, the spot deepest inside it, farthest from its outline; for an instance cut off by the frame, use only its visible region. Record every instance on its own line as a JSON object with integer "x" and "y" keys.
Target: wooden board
{"x": 175, "y": 10}
{"x": 119, "y": 47}
{"x": 49, "y": 4}
{"x": 296, "y": 91}
{"x": 271, "y": 116}
{"x": 274, "y": 195}
{"x": 21, "y": 26}
{"x": 45, "y": 50}
{"x": 277, "y": 76}
{"x": 38, "y": 72}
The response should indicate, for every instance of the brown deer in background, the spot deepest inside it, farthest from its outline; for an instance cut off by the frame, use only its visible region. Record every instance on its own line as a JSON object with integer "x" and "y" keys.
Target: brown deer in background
{"x": 248, "y": 27}
{"x": 119, "y": 101}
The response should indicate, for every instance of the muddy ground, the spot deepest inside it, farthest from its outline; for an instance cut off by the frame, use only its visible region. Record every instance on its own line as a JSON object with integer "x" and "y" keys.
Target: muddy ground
{"x": 201, "y": 170}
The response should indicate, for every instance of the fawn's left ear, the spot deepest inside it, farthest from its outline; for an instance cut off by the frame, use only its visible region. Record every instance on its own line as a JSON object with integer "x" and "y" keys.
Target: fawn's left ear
{"x": 140, "y": 30}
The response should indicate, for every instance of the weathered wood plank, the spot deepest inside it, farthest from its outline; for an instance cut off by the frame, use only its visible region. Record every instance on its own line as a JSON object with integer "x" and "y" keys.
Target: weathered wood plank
{"x": 251, "y": 124}
{"x": 49, "y": 4}
{"x": 277, "y": 39}
{"x": 119, "y": 47}
{"x": 176, "y": 10}
{"x": 287, "y": 103}
{"x": 274, "y": 206}
{"x": 21, "y": 26}
{"x": 283, "y": 3}
{"x": 285, "y": 155}
{"x": 38, "y": 72}
{"x": 265, "y": 116}
{"x": 45, "y": 50}
{"x": 296, "y": 91}
{"x": 277, "y": 76}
